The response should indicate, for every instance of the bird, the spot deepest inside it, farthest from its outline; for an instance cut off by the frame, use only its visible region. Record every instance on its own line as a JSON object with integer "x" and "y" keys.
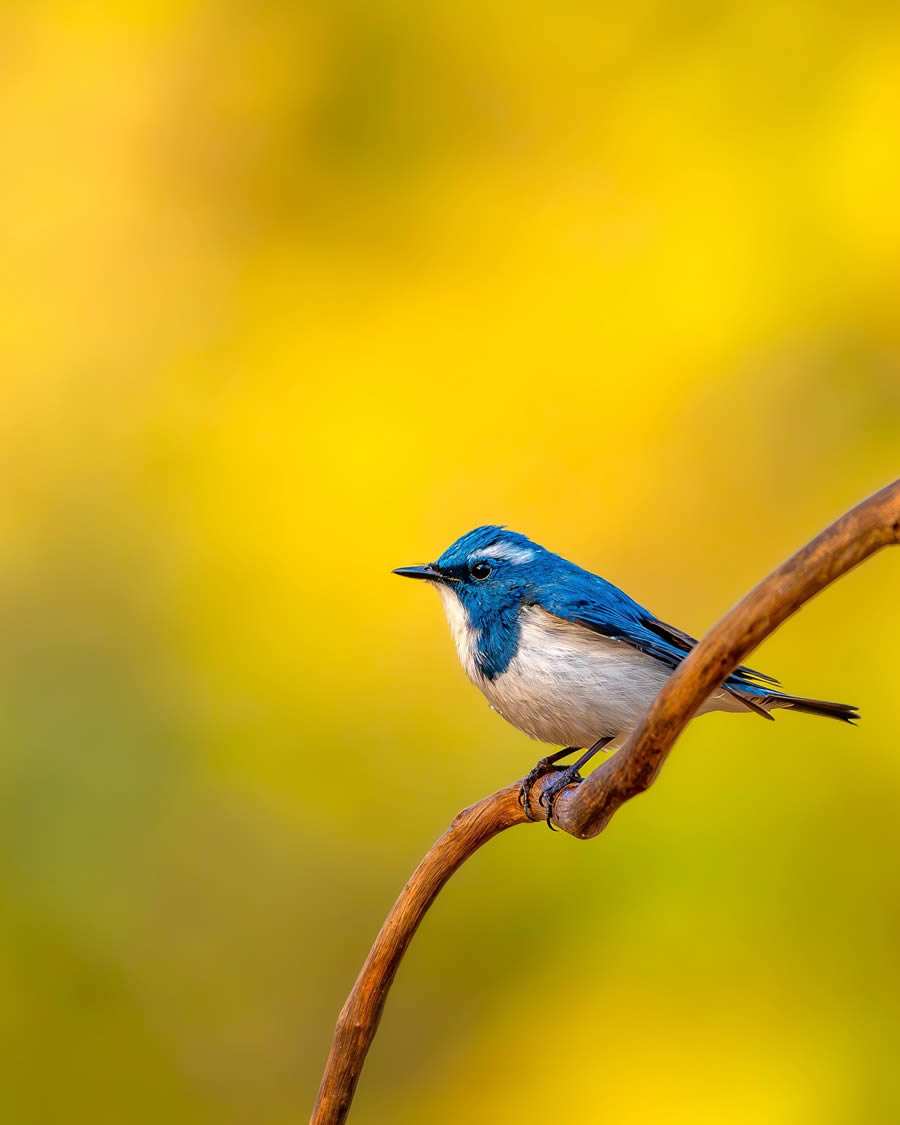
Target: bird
{"x": 567, "y": 657}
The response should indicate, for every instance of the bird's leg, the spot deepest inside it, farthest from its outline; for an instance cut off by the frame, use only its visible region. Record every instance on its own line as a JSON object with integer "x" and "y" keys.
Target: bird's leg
{"x": 543, "y": 766}
{"x": 568, "y": 776}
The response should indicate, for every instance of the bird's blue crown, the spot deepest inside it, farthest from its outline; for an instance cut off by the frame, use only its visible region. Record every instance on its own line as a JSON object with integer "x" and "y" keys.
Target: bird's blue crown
{"x": 493, "y": 537}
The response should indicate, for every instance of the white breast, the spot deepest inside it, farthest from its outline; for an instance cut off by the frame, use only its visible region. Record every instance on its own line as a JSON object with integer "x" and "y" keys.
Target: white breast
{"x": 570, "y": 686}
{"x": 566, "y": 685}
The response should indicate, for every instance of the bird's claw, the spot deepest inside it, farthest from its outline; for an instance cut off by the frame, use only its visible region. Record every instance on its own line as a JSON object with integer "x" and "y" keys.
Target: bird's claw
{"x": 544, "y": 766}
{"x": 547, "y": 799}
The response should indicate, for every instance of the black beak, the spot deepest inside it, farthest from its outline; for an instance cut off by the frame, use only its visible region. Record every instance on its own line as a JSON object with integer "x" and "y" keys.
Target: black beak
{"x": 427, "y": 572}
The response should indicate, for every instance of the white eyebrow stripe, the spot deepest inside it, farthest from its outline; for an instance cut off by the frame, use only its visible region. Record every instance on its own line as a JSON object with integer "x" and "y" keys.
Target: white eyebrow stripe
{"x": 505, "y": 552}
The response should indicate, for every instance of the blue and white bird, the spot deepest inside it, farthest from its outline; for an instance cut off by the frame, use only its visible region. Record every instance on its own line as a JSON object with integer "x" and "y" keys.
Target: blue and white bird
{"x": 567, "y": 657}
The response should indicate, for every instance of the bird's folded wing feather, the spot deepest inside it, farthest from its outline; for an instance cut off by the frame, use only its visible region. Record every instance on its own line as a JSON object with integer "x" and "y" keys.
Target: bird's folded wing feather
{"x": 590, "y": 601}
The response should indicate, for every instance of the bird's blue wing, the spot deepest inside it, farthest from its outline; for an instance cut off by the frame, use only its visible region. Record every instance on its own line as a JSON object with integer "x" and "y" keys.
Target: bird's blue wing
{"x": 590, "y": 601}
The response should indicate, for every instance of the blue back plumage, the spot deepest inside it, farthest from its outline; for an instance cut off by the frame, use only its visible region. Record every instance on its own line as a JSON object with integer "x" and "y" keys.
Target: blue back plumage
{"x": 522, "y": 573}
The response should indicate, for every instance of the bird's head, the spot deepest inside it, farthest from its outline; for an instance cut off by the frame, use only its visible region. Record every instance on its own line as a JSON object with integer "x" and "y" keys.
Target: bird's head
{"x": 490, "y": 570}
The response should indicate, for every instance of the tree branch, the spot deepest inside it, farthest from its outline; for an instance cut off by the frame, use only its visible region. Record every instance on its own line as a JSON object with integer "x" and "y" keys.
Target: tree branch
{"x": 359, "y": 1017}
{"x": 585, "y": 810}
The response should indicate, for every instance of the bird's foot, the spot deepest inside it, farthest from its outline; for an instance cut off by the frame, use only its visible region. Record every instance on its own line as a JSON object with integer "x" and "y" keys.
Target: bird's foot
{"x": 568, "y": 775}
{"x": 548, "y": 797}
{"x": 544, "y": 766}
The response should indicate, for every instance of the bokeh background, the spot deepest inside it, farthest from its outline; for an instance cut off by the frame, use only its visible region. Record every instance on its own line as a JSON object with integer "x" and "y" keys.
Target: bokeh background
{"x": 295, "y": 294}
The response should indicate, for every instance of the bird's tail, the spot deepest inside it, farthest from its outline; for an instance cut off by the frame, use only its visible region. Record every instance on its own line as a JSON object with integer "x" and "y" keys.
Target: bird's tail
{"x": 842, "y": 711}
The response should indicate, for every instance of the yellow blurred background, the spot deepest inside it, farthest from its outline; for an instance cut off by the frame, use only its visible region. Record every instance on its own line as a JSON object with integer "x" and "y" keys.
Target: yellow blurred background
{"x": 295, "y": 294}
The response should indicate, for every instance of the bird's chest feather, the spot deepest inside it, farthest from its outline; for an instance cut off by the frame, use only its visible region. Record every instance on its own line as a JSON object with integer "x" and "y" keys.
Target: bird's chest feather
{"x": 562, "y": 684}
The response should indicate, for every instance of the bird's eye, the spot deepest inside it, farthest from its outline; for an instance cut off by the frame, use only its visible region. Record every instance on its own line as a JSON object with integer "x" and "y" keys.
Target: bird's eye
{"x": 480, "y": 571}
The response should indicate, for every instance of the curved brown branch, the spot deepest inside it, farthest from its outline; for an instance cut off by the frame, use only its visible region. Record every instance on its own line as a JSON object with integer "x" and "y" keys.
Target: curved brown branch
{"x": 359, "y": 1017}
{"x": 586, "y": 810}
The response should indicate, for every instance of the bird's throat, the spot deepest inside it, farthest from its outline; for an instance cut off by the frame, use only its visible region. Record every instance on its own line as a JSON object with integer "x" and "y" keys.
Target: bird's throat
{"x": 485, "y": 650}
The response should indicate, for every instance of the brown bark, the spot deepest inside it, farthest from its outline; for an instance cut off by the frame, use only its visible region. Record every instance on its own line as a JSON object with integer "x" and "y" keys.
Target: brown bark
{"x": 585, "y": 810}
